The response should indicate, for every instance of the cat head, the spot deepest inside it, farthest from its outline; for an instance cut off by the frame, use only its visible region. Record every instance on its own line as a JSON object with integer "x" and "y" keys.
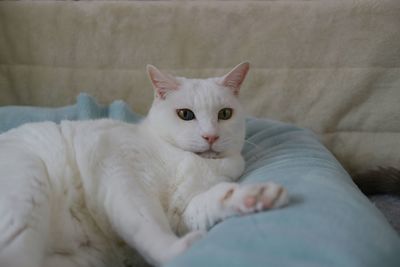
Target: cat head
{"x": 202, "y": 116}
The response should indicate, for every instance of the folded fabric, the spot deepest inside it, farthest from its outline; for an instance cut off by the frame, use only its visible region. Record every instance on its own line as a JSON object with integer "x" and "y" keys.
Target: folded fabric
{"x": 328, "y": 222}
{"x": 85, "y": 108}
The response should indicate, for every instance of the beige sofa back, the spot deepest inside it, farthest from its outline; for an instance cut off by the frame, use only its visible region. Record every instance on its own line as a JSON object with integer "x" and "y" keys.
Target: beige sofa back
{"x": 332, "y": 66}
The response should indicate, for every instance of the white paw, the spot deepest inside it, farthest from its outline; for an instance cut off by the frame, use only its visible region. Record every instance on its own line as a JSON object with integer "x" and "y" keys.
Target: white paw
{"x": 190, "y": 238}
{"x": 250, "y": 198}
{"x": 182, "y": 244}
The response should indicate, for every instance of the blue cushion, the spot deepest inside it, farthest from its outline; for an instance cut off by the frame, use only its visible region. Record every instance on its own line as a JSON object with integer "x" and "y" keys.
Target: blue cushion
{"x": 328, "y": 222}
{"x": 85, "y": 108}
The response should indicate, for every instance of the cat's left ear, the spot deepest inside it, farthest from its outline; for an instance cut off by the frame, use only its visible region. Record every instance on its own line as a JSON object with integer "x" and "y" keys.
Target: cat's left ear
{"x": 162, "y": 83}
{"x": 235, "y": 77}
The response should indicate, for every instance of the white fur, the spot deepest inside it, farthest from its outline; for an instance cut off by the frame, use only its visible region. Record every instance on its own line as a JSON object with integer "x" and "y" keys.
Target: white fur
{"x": 87, "y": 193}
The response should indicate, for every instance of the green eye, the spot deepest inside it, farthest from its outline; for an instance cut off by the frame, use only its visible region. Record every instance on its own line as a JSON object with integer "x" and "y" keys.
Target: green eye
{"x": 225, "y": 114}
{"x": 185, "y": 114}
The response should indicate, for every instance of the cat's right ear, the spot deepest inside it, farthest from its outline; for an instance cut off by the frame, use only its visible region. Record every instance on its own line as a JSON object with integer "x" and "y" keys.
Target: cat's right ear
{"x": 234, "y": 79}
{"x": 162, "y": 83}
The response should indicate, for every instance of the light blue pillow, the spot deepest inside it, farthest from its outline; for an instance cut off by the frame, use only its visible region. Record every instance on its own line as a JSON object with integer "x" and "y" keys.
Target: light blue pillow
{"x": 328, "y": 222}
{"x": 85, "y": 108}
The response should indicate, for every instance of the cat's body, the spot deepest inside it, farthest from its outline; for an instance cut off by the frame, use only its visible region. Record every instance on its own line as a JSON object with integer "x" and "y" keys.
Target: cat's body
{"x": 87, "y": 193}
{"x": 77, "y": 157}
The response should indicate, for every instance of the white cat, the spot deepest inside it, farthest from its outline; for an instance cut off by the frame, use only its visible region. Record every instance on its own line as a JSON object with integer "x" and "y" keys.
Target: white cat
{"x": 86, "y": 193}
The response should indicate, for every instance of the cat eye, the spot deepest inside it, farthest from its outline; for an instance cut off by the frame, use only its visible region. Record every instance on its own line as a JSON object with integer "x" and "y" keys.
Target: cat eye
{"x": 225, "y": 114}
{"x": 185, "y": 114}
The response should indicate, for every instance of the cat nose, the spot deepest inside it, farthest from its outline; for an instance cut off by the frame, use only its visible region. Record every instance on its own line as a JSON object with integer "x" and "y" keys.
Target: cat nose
{"x": 210, "y": 138}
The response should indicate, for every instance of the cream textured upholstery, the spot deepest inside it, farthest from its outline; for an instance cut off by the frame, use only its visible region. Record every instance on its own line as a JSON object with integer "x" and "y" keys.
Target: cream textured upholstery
{"x": 332, "y": 66}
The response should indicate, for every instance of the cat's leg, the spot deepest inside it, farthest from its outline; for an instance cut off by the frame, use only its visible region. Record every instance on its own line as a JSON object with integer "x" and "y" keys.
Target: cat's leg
{"x": 138, "y": 218}
{"x": 229, "y": 199}
{"x": 24, "y": 211}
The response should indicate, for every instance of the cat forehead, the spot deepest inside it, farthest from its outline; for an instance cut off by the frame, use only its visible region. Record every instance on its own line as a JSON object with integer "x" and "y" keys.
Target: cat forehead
{"x": 200, "y": 92}
{"x": 197, "y": 84}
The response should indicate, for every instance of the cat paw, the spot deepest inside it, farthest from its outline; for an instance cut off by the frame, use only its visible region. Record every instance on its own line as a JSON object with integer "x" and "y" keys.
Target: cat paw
{"x": 250, "y": 198}
{"x": 187, "y": 241}
{"x": 161, "y": 255}
{"x": 178, "y": 247}
{"x": 183, "y": 243}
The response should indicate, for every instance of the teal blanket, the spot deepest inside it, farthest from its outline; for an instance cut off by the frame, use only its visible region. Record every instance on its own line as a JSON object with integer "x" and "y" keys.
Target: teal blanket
{"x": 328, "y": 222}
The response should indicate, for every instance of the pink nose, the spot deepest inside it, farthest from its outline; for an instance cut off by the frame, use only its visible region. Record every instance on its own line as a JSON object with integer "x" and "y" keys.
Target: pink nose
{"x": 210, "y": 138}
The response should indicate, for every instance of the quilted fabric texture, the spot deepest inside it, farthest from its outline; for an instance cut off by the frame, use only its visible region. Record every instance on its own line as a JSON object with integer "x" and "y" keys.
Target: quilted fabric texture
{"x": 327, "y": 223}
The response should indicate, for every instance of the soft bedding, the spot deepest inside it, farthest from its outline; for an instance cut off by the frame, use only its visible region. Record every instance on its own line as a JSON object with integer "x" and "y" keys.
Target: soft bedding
{"x": 327, "y": 223}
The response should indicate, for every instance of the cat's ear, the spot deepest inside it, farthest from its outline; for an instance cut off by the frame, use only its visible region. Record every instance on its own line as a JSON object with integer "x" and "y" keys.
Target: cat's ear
{"x": 235, "y": 77}
{"x": 162, "y": 83}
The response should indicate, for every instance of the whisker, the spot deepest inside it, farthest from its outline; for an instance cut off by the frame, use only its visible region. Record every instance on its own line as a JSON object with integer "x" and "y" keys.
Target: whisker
{"x": 253, "y": 144}
{"x": 258, "y": 149}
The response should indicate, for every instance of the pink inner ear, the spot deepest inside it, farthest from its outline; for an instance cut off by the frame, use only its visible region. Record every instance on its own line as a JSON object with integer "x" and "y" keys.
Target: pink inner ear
{"x": 162, "y": 83}
{"x": 235, "y": 78}
{"x": 164, "y": 86}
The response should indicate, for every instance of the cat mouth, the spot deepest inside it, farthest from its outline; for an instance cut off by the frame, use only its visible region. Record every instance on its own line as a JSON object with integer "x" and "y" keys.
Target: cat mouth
{"x": 209, "y": 154}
